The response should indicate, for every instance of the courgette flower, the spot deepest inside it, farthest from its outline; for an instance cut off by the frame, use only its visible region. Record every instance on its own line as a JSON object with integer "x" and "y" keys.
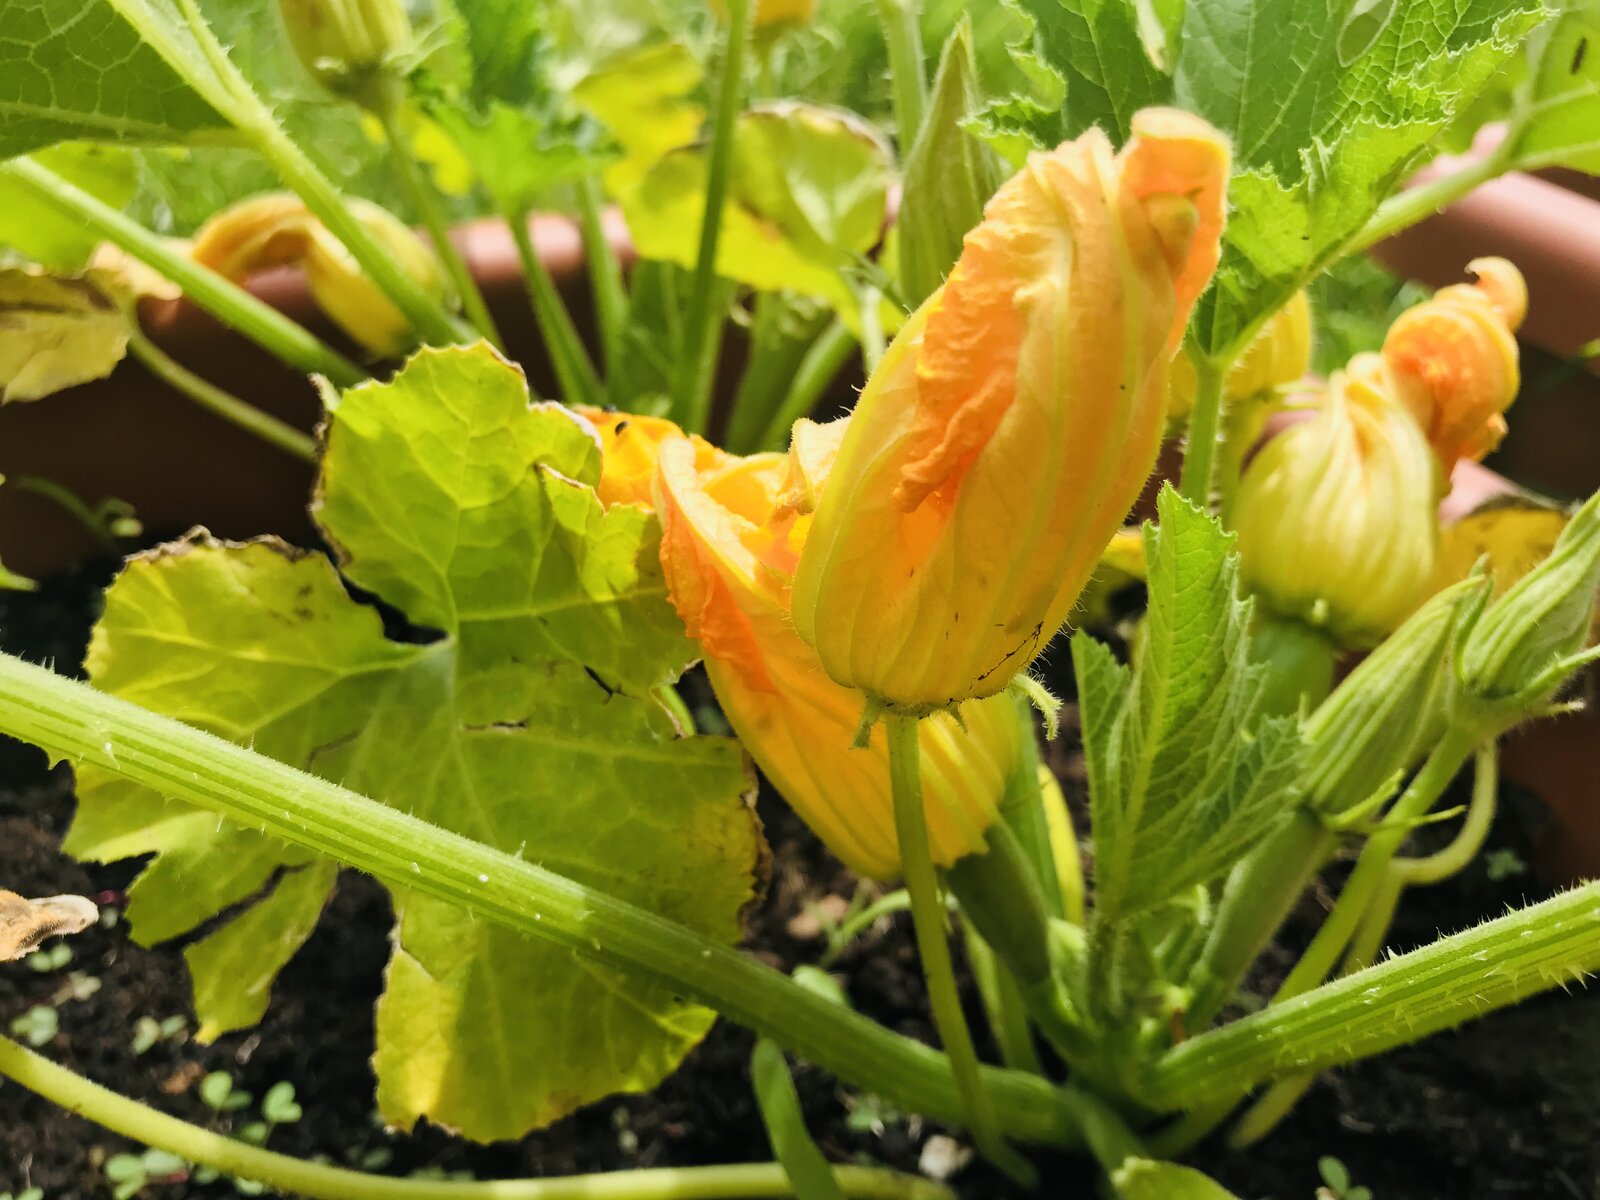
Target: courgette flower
{"x": 630, "y": 447}
{"x": 1014, "y": 421}
{"x": 772, "y": 14}
{"x": 729, "y": 547}
{"x": 1337, "y": 516}
{"x": 1455, "y": 359}
{"x": 278, "y": 230}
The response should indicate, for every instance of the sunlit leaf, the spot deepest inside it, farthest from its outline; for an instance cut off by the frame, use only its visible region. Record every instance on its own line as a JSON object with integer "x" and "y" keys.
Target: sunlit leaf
{"x": 646, "y": 99}
{"x": 1563, "y": 121}
{"x": 1146, "y": 1179}
{"x": 522, "y": 719}
{"x": 38, "y": 230}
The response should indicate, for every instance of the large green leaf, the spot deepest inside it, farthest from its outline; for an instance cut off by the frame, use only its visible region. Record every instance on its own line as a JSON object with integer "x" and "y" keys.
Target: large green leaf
{"x": 1328, "y": 105}
{"x": 807, "y": 199}
{"x": 56, "y": 333}
{"x": 76, "y": 69}
{"x": 525, "y": 722}
{"x": 1186, "y": 774}
{"x": 1560, "y": 110}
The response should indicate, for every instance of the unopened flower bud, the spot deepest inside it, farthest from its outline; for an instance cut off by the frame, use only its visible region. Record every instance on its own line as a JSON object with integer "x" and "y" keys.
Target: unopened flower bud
{"x": 1278, "y": 356}
{"x": 1337, "y": 515}
{"x": 1455, "y": 360}
{"x": 1528, "y": 641}
{"x": 345, "y": 44}
{"x": 773, "y": 14}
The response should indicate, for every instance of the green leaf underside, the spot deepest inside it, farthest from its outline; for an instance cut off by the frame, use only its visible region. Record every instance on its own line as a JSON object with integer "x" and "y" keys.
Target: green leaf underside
{"x": 1562, "y": 124}
{"x": 1185, "y": 775}
{"x": 36, "y": 229}
{"x": 76, "y": 69}
{"x": 525, "y": 726}
{"x": 1326, "y": 115}
{"x": 807, "y": 197}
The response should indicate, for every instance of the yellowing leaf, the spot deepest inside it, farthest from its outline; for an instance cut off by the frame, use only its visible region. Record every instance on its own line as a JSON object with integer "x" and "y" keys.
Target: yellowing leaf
{"x": 519, "y": 715}
{"x": 55, "y": 333}
{"x": 644, "y": 99}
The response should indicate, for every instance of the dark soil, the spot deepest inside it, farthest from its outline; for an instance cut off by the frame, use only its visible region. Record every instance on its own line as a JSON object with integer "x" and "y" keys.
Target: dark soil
{"x": 1506, "y": 1107}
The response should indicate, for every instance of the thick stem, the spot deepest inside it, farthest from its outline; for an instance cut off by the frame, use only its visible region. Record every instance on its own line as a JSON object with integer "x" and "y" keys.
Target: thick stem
{"x": 220, "y": 403}
{"x": 575, "y": 373}
{"x": 605, "y": 273}
{"x": 425, "y": 199}
{"x": 72, "y": 720}
{"x": 703, "y": 327}
{"x": 902, "y": 35}
{"x": 1205, "y": 423}
{"x": 1402, "y": 999}
{"x": 818, "y": 369}
{"x": 228, "y": 302}
{"x": 933, "y": 944}
{"x": 278, "y": 1171}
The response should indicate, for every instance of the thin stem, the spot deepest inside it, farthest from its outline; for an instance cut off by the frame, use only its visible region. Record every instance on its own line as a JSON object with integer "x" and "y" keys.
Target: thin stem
{"x": 72, "y": 720}
{"x": 703, "y": 327}
{"x": 221, "y": 403}
{"x": 780, "y": 338}
{"x": 1276, "y": 1103}
{"x": 818, "y": 369}
{"x": 1002, "y": 1003}
{"x": 575, "y": 373}
{"x": 803, "y": 1163}
{"x": 855, "y": 925}
{"x": 902, "y": 35}
{"x": 231, "y": 94}
{"x": 933, "y": 944}
{"x": 1023, "y": 810}
{"x": 236, "y": 1159}
{"x": 1406, "y": 208}
{"x": 605, "y": 273}
{"x": 228, "y": 302}
{"x": 1403, "y": 999}
{"x": 1359, "y": 890}
{"x": 1205, "y": 421}
{"x": 424, "y": 198}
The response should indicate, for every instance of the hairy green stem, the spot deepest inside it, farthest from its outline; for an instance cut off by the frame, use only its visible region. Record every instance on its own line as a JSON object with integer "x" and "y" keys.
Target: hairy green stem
{"x": 219, "y": 402}
{"x": 1205, "y": 424}
{"x": 697, "y": 363}
{"x": 933, "y": 944}
{"x": 424, "y": 198}
{"x": 1403, "y": 999}
{"x": 1405, "y": 209}
{"x": 902, "y": 35}
{"x": 231, "y": 94}
{"x": 239, "y": 1160}
{"x": 605, "y": 273}
{"x": 818, "y": 369}
{"x": 1022, "y": 809}
{"x": 1265, "y": 1114}
{"x": 72, "y": 720}
{"x": 575, "y": 373}
{"x": 227, "y": 301}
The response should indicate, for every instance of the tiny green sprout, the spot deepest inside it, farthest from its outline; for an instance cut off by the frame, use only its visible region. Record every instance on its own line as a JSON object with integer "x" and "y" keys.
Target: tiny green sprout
{"x": 32, "y": 1193}
{"x": 376, "y": 1159}
{"x": 148, "y": 1031}
{"x": 219, "y": 1094}
{"x": 51, "y": 958}
{"x": 440, "y": 1175}
{"x": 1336, "y": 1181}
{"x": 77, "y": 987}
{"x": 278, "y": 1106}
{"x": 1503, "y": 864}
{"x": 870, "y": 1114}
{"x": 130, "y": 1174}
{"x": 256, "y": 1133}
{"x": 38, "y": 1025}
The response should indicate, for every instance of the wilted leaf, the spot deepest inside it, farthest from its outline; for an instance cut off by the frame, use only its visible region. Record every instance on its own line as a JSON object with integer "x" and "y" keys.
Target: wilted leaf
{"x": 524, "y": 723}
{"x": 55, "y": 333}
{"x": 1185, "y": 772}
{"x": 26, "y": 923}
{"x": 807, "y": 199}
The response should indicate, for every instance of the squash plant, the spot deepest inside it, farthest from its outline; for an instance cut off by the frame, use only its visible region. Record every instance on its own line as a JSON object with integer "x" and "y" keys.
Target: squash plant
{"x": 1107, "y": 216}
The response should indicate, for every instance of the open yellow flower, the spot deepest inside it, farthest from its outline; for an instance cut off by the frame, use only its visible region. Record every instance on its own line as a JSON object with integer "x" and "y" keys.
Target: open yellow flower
{"x": 770, "y": 14}
{"x": 1013, "y": 422}
{"x": 1337, "y": 516}
{"x": 630, "y": 447}
{"x": 729, "y": 546}
{"x": 1455, "y": 360}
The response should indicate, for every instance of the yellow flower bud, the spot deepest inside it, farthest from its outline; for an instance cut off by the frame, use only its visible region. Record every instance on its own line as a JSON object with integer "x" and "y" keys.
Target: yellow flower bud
{"x": 1455, "y": 360}
{"x": 343, "y": 43}
{"x": 1278, "y": 356}
{"x": 728, "y": 548}
{"x": 770, "y": 14}
{"x": 1337, "y": 516}
{"x": 277, "y": 230}
{"x": 1014, "y": 421}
